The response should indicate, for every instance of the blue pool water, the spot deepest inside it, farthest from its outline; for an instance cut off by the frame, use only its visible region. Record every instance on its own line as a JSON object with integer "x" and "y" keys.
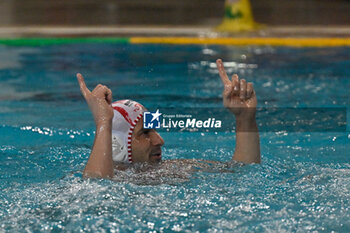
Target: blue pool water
{"x": 46, "y": 132}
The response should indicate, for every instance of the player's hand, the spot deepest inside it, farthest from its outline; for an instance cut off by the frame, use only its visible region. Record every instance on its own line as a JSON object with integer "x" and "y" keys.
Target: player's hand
{"x": 238, "y": 95}
{"x": 99, "y": 101}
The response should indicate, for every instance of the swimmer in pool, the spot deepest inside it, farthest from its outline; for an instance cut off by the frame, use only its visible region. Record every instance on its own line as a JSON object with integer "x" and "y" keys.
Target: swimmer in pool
{"x": 121, "y": 139}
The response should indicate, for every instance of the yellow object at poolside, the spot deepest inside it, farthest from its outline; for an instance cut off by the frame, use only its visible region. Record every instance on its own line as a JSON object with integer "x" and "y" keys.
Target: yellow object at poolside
{"x": 238, "y": 17}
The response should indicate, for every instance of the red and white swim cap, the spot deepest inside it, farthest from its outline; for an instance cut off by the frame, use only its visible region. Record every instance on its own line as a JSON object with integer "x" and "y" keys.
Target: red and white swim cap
{"x": 126, "y": 114}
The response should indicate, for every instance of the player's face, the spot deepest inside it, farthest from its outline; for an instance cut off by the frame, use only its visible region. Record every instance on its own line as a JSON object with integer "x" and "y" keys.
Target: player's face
{"x": 146, "y": 144}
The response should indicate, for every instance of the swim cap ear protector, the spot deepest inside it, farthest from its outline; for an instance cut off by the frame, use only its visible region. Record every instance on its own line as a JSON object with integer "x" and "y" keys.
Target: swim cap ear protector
{"x": 126, "y": 115}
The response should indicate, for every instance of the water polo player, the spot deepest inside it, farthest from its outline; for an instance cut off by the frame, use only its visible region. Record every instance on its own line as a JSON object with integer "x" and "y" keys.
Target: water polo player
{"x": 121, "y": 139}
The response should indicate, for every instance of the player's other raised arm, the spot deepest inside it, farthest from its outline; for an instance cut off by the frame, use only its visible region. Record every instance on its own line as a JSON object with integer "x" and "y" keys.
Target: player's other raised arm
{"x": 100, "y": 163}
{"x": 239, "y": 97}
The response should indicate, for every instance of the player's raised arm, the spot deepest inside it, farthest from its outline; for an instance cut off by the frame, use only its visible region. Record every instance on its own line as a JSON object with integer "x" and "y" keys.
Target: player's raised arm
{"x": 239, "y": 97}
{"x": 100, "y": 163}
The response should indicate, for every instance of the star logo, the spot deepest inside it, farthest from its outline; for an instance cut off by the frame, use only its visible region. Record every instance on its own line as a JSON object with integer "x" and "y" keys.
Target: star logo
{"x": 151, "y": 120}
{"x": 156, "y": 115}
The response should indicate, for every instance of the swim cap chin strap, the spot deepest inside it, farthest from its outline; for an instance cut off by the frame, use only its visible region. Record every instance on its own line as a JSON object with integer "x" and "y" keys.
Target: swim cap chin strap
{"x": 126, "y": 115}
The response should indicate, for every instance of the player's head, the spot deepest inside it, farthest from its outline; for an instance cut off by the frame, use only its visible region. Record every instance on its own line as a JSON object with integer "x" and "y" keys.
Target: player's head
{"x": 130, "y": 141}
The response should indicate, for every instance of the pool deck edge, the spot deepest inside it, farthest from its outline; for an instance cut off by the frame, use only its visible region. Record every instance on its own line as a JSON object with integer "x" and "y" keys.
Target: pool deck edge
{"x": 200, "y": 31}
{"x": 275, "y": 36}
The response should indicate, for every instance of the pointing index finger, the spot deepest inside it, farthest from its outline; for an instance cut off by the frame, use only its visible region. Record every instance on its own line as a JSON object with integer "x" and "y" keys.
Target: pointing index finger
{"x": 84, "y": 90}
{"x": 224, "y": 78}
